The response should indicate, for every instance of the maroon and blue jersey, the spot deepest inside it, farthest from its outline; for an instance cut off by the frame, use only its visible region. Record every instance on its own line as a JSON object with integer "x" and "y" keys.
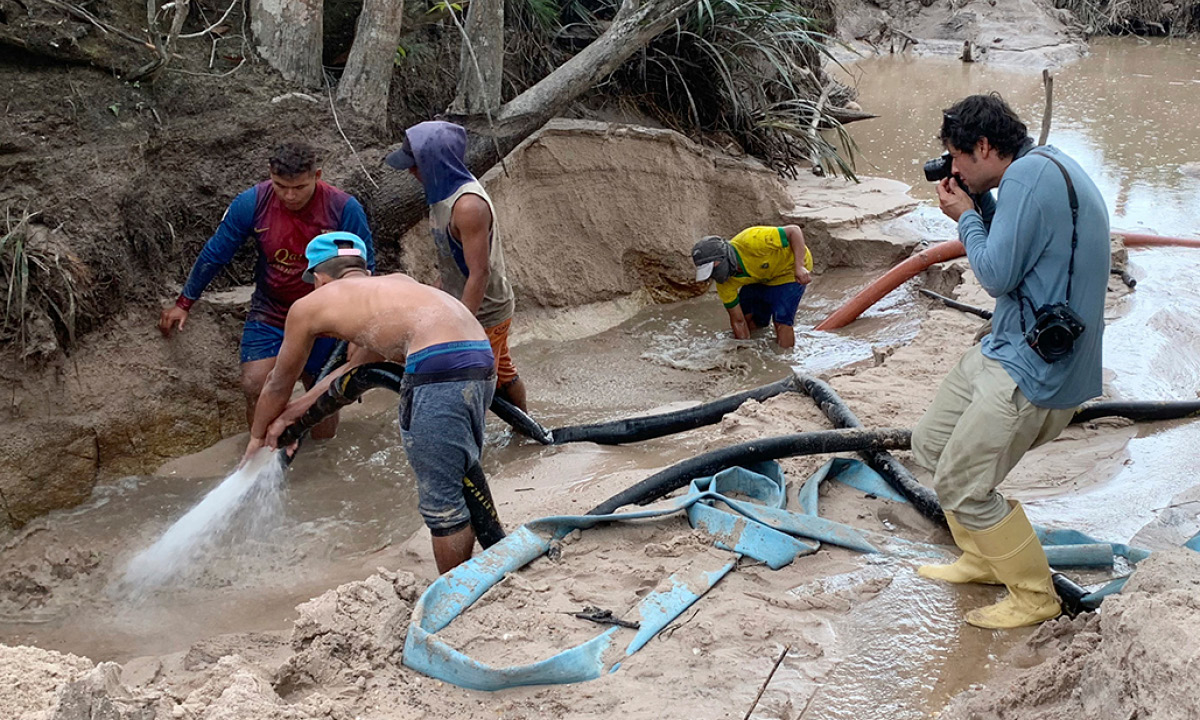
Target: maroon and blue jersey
{"x": 281, "y": 236}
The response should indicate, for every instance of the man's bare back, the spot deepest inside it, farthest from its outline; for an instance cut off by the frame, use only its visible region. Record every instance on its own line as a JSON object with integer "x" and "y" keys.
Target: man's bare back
{"x": 392, "y": 315}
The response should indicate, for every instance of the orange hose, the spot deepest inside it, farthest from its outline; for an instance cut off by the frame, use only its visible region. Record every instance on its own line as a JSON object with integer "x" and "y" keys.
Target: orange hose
{"x": 950, "y": 250}
{"x": 1144, "y": 240}
{"x": 891, "y": 280}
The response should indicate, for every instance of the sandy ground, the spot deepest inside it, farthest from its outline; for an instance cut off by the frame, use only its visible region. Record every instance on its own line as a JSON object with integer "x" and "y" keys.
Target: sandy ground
{"x": 342, "y": 657}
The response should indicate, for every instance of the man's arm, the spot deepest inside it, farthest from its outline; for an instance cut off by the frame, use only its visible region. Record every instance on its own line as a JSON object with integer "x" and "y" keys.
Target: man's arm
{"x": 795, "y": 238}
{"x": 231, "y": 234}
{"x": 298, "y": 338}
{"x": 1002, "y": 256}
{"x": 737, "y": 320}
{"x": 730, "y": 295}
{"x": 296, "y": 408}
{"x": 472, "y": 225}
{"x": 354, "y": 219}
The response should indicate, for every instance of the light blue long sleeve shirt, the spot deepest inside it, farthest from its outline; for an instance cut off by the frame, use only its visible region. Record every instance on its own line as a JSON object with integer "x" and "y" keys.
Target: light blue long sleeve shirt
{"x": 1027, "y": 246}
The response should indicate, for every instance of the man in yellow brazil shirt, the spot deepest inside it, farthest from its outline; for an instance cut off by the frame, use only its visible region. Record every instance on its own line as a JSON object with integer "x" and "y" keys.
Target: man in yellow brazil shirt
{"x": 761, "y": 274}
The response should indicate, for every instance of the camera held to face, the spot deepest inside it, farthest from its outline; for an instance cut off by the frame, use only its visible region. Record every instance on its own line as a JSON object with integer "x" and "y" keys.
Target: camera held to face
{"x": 939, "y": 168}
{"x": 1054, "y": 332}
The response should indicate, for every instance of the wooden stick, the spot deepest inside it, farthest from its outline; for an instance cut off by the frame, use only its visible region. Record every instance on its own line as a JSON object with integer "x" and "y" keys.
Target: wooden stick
{"x": 214, "y": 26}
{"x": 1048, "y": 81}
{"x": 767, "y": 682}
{"x": 904, "y": 35}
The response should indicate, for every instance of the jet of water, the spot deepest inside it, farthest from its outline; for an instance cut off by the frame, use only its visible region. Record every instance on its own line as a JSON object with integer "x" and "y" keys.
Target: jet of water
{"x": 249, "y": 495}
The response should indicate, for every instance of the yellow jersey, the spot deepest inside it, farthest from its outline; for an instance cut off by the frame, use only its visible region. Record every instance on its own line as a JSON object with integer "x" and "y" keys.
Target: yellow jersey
{"x": 766, "y": 258}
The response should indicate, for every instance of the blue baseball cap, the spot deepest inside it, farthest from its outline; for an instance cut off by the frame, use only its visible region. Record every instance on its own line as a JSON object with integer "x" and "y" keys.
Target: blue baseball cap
{"x": 330, "y": 245}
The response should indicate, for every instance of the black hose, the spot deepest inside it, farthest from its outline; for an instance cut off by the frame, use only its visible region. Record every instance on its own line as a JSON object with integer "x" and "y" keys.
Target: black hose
{"x": 950, "y": 303}
{"x": 648, "y": 427}
{"x": 520, "y": 420}
{"x": 485, "y": 521}
{"x": 637, "y": 429}
{"x": 336, "y": 358}
{"x": 344, "y": 390}
{"x": 808, "y": 443}
{"x": 1072, "y": 595}
{"x": 1139, "y": 411}
{"x": 892, "y": 470}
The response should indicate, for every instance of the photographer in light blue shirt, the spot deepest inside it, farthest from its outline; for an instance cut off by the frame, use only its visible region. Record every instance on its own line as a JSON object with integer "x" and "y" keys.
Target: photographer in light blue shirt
{"x": 1041, "y": 248}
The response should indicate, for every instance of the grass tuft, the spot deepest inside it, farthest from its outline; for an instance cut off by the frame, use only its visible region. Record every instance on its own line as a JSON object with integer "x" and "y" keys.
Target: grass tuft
{"x": 38, "y": 283}
{"x": 1145, "y": 17}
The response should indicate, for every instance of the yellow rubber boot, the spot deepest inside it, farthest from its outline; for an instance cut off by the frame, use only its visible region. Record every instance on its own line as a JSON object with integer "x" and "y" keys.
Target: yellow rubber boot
{"x": 1012, "y": 549}
{"x": 970, "y": 568}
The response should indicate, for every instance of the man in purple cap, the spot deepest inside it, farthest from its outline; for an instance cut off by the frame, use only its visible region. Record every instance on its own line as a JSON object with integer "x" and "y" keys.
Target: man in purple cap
{"x": 470, "y": 256}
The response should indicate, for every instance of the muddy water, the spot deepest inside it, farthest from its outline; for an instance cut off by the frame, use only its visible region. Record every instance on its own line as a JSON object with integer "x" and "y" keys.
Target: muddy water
{"x": 350, "y": 503}
{"x": 1127, "y": 113}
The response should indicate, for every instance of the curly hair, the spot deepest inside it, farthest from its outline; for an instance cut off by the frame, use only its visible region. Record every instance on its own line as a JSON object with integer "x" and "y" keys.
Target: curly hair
{"x": 983, "y": 116}
{"x": 293, "y": 158}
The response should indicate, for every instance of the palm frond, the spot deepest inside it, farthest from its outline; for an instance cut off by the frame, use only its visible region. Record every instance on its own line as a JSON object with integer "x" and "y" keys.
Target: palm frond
{"x": 746, "y": 70}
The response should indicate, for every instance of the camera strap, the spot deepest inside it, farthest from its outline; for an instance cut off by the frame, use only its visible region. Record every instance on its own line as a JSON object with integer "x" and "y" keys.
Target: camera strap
{"x": 1074, "y": 200}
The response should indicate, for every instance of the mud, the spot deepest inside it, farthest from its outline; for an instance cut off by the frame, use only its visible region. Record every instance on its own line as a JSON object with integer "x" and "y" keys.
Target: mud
{"x": 340, "y": 657}
{"x": 1024, "y": 33}
{"x": 1131, "y": 660}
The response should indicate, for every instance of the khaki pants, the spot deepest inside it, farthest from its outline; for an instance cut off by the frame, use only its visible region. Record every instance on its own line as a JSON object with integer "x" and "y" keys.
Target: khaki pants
{"x": 979, "y": 426}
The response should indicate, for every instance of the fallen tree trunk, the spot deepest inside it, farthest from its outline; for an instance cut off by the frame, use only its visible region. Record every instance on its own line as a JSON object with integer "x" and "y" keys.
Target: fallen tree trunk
{"x": 399, "y": 201}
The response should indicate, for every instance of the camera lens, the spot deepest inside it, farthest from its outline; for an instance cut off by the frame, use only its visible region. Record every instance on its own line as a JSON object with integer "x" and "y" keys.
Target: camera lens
{"x": 938, "y": 168}
{"x": 1056, "y": 340}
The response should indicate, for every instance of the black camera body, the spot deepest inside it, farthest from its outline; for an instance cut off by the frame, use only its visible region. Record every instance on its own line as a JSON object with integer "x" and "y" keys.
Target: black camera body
{"x": 1054, "y": 332}
{"x": 939, "y": 168}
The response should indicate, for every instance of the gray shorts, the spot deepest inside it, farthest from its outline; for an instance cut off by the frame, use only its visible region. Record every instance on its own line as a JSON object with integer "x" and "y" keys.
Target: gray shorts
{"x": 441, "y": 427}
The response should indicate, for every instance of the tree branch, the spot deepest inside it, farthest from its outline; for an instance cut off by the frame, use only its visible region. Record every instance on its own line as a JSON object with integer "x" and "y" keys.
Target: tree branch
{"x": 634, "y": 26}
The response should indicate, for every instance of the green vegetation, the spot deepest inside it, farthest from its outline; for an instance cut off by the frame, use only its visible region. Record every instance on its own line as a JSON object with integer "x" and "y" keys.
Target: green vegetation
{"x": 740, "y": 72}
